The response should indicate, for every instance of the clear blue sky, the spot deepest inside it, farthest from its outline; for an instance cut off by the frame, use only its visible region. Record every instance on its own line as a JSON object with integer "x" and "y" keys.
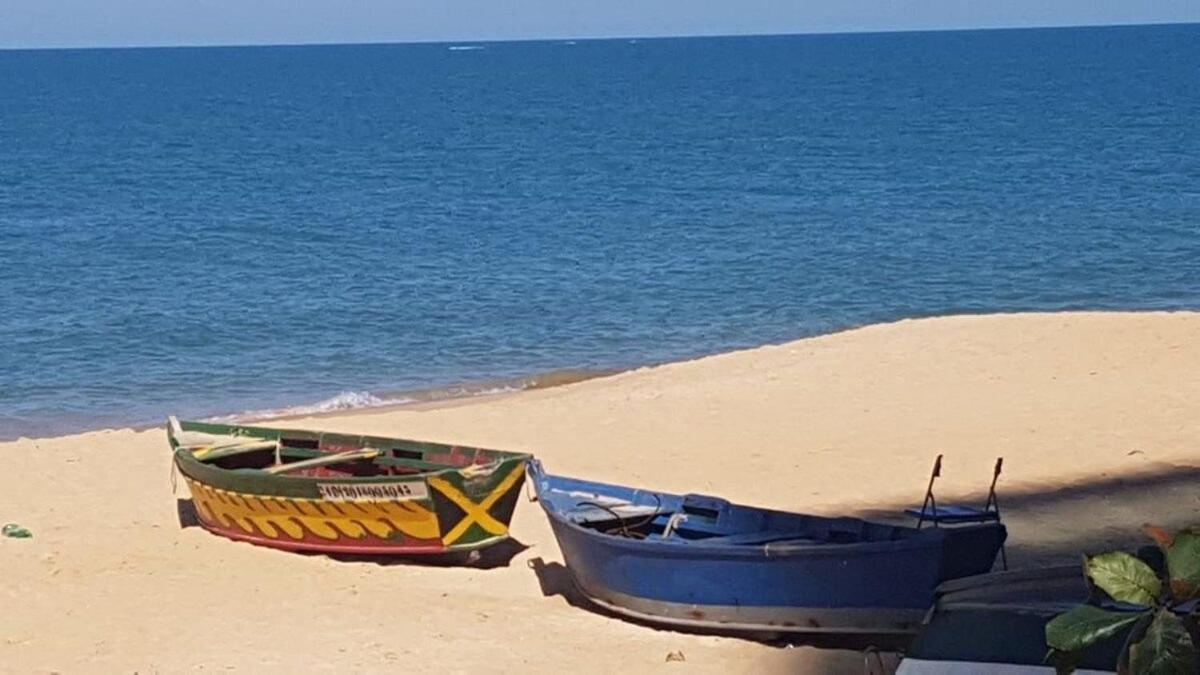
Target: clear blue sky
{"x": 48, "y": 23}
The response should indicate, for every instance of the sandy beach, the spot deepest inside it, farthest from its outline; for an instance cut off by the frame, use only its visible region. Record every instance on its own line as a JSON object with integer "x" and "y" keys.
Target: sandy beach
{"x": 1096, "y": 414}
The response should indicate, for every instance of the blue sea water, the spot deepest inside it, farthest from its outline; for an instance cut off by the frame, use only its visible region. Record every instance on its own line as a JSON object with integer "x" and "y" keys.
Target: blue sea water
{"x": 204, "y": 231}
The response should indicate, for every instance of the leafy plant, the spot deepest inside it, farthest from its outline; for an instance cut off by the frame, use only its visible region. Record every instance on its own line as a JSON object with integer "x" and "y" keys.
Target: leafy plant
{"x": 1158, "y": 608}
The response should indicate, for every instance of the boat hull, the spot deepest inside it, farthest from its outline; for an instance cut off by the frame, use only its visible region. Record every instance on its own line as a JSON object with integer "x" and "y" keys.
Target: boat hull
{"x": 757, "y": 620}
{"x": 996, "y": 624}
{"x": 833, "y": 590}
{"x": 877, "y": 587}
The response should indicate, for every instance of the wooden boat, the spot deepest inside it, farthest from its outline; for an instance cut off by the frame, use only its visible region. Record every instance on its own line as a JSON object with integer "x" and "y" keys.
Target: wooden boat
{"x": 995, "y": 624}
{"x": 695, "y": 561}
{"x": 338, "y": 493}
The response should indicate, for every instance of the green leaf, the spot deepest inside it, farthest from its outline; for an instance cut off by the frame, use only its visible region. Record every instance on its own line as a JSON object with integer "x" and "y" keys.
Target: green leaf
{"x": 1075, "y": 629}
{"x": 1124, "y": 578}
{"x": 1183, "y": 565}
{"x": 1166, "y": 649}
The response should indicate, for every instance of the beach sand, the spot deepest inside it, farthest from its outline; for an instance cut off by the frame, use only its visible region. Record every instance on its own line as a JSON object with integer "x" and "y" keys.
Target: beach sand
{"x": 1096, "y": 414}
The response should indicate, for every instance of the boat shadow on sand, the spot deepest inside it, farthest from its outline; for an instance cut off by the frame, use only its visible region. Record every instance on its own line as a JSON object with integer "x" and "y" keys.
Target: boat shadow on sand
{"x": 1052, "y": 524}
{"x": 493, "y": 557}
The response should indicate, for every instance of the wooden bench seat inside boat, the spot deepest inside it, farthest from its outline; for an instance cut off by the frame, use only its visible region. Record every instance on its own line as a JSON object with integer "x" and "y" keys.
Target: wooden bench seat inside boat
{"x": 383, "y": 464}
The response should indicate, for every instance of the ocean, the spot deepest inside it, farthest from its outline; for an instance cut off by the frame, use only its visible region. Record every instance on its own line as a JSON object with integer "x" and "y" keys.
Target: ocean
{"x": 207, "y": 231}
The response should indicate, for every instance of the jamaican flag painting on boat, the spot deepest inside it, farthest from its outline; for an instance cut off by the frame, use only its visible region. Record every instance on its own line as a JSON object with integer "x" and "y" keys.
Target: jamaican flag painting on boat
{"x": 339, "y": 493}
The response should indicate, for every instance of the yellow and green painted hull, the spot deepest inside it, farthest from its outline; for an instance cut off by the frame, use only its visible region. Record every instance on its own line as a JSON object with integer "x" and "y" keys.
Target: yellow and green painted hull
{"x": 462, "y": 498}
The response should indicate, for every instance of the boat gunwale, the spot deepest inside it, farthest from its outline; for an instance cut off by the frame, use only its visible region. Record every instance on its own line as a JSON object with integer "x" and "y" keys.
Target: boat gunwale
{"x": 186, "y": 460}
{"x": 921, "y": 538}
{"x": 1003, "y": 578}
{"x": 185, "y": 457}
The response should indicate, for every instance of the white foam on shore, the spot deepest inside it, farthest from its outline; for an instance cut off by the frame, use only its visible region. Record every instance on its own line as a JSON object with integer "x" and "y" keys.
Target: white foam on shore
{"x": 347, "y": 400}
{"x": 360, "y": 400}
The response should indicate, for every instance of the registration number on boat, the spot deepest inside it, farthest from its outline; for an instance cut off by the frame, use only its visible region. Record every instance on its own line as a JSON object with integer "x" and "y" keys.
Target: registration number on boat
{"x": 372, "y": 492}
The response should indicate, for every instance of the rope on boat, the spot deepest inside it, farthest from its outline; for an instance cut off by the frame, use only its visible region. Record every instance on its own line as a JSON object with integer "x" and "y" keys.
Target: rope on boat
{"x": 620, "y": 520}
{"x": 673, "y": 523}
{"x": 623, "y": 526}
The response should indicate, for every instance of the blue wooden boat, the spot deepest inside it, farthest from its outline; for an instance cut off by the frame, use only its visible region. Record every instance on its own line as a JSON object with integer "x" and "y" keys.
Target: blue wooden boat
{"x": 700, "y": 562}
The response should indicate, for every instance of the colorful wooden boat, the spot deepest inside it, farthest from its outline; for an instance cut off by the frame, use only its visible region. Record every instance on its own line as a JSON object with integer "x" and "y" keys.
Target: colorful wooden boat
{"x": 695, "y": 561}
{"x": 338, "y": 493}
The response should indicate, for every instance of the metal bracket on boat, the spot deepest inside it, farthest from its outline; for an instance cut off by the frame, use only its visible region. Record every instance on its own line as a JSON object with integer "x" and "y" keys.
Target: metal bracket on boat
{"x": 993, "y": 504}
{"x": 961, "y": 514}
{"x": 990, "y": 511}
{"x": 930, "y": 500}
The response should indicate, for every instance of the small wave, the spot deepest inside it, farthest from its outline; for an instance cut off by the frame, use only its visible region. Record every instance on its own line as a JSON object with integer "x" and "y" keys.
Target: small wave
{"x": 360, "y": 400}
{"x": 464, "y": 48}
{"x": 347, "y": 400}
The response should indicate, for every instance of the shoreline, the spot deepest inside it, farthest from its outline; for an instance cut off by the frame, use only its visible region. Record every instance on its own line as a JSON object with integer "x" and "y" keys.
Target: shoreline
{"x": 404, "y": 399}
{"x": 466, "y": 391}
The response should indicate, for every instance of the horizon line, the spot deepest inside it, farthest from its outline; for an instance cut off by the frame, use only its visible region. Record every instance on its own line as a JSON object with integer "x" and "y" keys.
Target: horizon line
{"x": 593, "y": 38}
